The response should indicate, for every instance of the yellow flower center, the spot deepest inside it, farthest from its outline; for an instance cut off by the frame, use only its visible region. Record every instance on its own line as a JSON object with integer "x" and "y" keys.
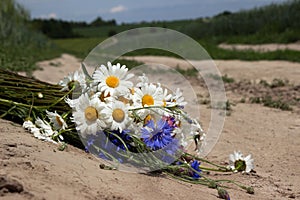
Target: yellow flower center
{"x": 59, "y": 122}
{"x": 164, "y": 103}
{"x": 147, "y": 99}
{"x": 118, "y": 115}
{"x": 112, "y": 81}
{"x": 132, "y": 91}
{"x": 147, "y": 119}
{"x": 91, "y": 113}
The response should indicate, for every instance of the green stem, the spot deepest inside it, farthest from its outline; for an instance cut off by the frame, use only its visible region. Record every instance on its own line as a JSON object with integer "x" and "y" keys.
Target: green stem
{"x": 4, "y": 114}
{"x": 62, "y": 98}
{"x": 225, "y": 169}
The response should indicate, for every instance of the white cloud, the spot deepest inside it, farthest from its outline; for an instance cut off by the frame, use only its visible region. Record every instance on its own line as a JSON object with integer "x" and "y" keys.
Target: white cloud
{"x": 49, "y": 16}
{"x": 117, "y": 9}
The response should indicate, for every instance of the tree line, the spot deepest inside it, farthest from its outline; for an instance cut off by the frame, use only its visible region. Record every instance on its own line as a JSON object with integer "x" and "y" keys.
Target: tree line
{"x": 57, "y": 28}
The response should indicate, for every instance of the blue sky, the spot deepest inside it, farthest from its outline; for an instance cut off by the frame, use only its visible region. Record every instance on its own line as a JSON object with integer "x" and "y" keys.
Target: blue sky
{"x": 134, "y": 10}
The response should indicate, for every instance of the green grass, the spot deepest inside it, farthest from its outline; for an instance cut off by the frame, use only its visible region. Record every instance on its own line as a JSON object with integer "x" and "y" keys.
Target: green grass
{"x": 104, "y": 31}
{"x": 20, "y": 46}
{"x": 79, "y": 47}
{"x": 274, "y": 23}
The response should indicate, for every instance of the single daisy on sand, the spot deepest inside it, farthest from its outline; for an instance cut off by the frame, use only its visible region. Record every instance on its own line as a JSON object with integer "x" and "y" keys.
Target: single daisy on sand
{"x": 113, "y": 79}
{"x": 239, "y": 163}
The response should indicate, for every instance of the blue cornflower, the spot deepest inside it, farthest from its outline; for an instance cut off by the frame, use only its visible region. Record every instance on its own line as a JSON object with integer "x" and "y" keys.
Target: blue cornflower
{"x": 124, "y": 135}
{"x": 159, "y": 136}
{"x": 195, "y": 165}
{"x": 108, "y": 142}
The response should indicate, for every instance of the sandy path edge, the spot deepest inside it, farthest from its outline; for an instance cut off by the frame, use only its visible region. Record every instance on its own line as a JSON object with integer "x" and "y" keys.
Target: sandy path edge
{"x": 261, "y": 47}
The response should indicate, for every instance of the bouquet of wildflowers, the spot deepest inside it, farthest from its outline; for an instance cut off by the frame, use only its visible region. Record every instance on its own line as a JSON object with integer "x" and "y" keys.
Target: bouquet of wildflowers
{"x": 137, "y": 127}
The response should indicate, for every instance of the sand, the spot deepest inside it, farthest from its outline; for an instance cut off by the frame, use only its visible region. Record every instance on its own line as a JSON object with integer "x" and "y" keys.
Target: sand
{"x": 262, "y": 47}
{"x": 37, "y": 170}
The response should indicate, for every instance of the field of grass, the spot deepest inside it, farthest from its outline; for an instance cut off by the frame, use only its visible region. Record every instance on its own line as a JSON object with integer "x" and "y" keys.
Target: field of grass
{"x": 106, "y": 31}
{"x": 80, "y": 47}
{"x": 21, "y": 47}
{"x": 275, "y": 23}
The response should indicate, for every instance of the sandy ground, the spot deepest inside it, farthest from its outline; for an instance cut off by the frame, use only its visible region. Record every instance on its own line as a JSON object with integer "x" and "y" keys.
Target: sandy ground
{"x": 262, "y": 47}
{"x": 37, "y": 170}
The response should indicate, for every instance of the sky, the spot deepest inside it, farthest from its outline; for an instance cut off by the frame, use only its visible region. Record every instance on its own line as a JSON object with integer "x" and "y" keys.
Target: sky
{"x": 135, "y": 10}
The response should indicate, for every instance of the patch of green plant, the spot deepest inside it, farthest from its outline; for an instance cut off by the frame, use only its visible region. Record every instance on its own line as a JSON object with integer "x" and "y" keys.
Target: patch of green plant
{"x": 55, "y": 64}
{"x": 255, "y": 100}
{"x": 275, "y": 83}
{"x": 268, "y": 101}
{"x": 278, "y": 83}
{"x": 228, "y": 107}
{"x": 264, "y": 83}
{"x": 187, "y": 72}
{"x": 225, "y": 78}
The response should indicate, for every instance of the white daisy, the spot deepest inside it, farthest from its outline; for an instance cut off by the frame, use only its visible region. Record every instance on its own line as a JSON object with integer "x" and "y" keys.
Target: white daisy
{"x": 71, "y": 102}
{"x": 177, "y": 99}
{"x": 58, "y": 122}
{"x": 197, "y": 133}
{"x": 143, "y": 81}
{"x": 113, "y": 79}
{"x": 73, "y": 78}
{"x": 239, "y": 163}
{"x": 166, "y": 97}
{"x": 44, "y": 132}
{"x": 45, "y": 127}
{"x": 28, "y": 125}
{"x": 88, "y": 115}
{"x": 147, "y": 96}
{"x": 117, "y": 115}
{"x": 196, "y": 128}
